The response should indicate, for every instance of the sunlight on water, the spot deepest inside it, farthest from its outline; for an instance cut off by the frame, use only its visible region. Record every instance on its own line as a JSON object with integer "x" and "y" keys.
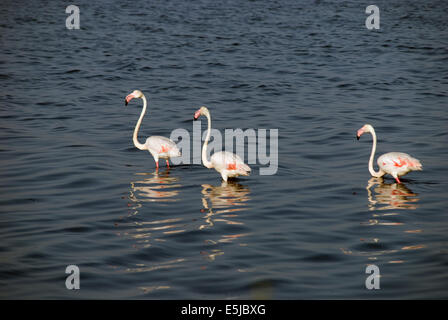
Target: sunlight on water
{"x": 156, "y": 267}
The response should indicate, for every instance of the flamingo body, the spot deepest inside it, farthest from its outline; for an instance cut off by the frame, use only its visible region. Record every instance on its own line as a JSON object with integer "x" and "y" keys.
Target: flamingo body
{"x": 396, "y": 164}
{"x": 158, "y": 146}
{"x": 228, "y": 164}
{"x": 162, "y": 148}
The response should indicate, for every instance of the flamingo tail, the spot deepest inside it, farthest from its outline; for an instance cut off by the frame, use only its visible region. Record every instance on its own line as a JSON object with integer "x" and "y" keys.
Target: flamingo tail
{"x": 417, "y": 166}
{"x": 244, "y": 169}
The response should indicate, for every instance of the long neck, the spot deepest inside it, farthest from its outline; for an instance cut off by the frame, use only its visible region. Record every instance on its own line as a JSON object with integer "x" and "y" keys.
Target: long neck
{"x": 372, "y": 155}
{"x": 207, "y": 163}
{"x": 137, "y": 127}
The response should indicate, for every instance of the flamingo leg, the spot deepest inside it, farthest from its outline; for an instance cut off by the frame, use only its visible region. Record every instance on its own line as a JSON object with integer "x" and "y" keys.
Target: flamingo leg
{"x": 157, "y": 165}
{"x": 167, "y": 163}
{"x": 398, "y": 180}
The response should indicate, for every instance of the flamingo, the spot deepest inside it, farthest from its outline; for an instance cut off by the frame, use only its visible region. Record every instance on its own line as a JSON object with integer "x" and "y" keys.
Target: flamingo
{"x": 228, "y": 164}
{"x": 394, "y": 163}
{"x": 158, "y": 146}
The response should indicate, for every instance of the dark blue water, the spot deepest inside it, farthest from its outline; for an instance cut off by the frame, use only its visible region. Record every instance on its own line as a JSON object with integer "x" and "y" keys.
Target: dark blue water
{"x": 75, "y": 190}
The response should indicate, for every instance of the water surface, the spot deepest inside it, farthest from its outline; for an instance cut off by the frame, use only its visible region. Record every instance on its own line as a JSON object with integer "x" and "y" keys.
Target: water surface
{"x": 75, "y": 190}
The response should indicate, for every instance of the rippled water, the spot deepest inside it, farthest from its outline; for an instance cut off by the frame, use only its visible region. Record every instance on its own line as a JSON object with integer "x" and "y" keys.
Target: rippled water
{"x": 75, "y": 190}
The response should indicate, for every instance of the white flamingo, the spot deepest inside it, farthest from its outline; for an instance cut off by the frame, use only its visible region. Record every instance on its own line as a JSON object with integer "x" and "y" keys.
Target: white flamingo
{"x": 396, "y": 164}
{"x": 228, "y": 164}
{"x": 158, "y": 146}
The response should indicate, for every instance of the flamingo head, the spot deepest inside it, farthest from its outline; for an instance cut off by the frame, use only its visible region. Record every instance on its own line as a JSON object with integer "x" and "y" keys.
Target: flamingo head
{"x": 134, "y": 94}
{"x": 364, "y": 129}
{"x": 201, "y": 111}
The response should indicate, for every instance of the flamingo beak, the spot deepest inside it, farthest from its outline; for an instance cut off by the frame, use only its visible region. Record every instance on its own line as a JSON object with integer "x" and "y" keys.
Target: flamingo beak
{"x": 128, "y": 98}
{"x": 359, "y": 133}
{"x": 197, "y": 114}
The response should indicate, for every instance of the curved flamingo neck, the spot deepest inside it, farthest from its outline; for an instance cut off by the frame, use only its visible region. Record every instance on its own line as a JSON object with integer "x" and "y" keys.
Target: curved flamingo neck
{"x": 137, "y": 127}
{"x": 374, "y": 173}
{"x": 207, "y": 163}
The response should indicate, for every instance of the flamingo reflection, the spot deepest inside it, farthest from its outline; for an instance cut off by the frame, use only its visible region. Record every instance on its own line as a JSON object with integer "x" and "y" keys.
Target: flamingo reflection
{"x": 152, "y": 187}
{"x": 222, "y": 201}
{"x": 155, "y": 187}
{"x": 221, "y": 204}
{"x": 390, "y": 196}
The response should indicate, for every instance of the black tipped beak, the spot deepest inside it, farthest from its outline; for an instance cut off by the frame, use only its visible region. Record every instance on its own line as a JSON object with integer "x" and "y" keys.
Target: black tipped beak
{"x": 194, "y": 118}
{"x": 357, "y": 137}
{"x": 125, "y": 102}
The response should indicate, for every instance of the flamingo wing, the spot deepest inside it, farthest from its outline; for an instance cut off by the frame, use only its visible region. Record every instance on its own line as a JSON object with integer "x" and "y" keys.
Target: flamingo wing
{"x": 163, "y": 147}
{"x": 398, "y": 163}
{"x": 229, "y": 162}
